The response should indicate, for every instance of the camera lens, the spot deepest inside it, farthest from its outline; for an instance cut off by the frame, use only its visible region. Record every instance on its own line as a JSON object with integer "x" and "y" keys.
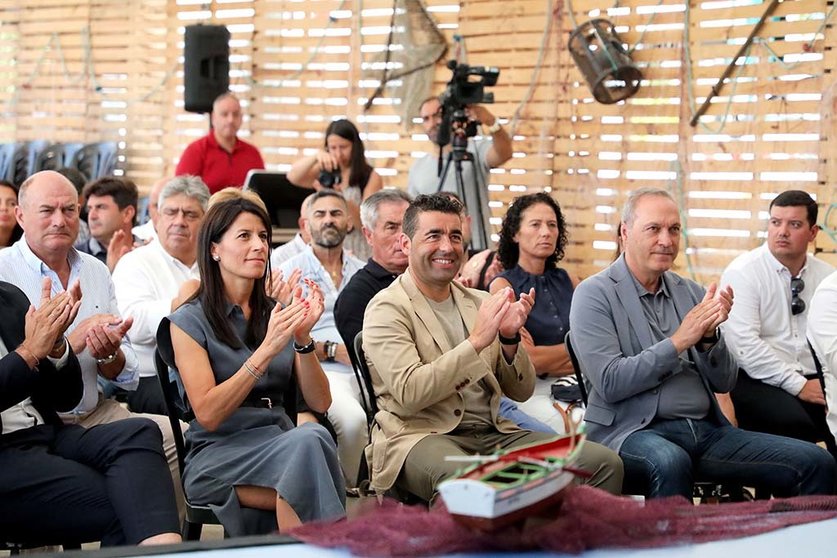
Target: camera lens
{"x": 329, "y": 179}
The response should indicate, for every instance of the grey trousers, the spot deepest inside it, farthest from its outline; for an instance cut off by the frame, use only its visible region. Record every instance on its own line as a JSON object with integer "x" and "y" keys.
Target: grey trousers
{"x": 425, "y": 466}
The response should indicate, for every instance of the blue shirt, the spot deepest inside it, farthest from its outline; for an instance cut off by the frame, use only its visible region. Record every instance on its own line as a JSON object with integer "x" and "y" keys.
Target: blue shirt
{"x": 326, "y": 328}
{"x": 549, "y": 319}
{"x": 21, "y": 267}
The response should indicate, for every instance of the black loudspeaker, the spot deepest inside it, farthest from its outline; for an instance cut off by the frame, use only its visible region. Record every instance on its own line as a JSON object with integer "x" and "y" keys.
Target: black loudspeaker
{"x": 206, "y": 66}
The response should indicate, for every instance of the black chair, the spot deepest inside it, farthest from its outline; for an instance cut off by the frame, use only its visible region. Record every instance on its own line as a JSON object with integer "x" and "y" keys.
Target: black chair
{"x": 576, "y": 368}
{"x": 7, "y": 156}
{"x": 364, "y": 379}
{"x": 23, "y": 161}
{"x": 704, "y": 491}
{"x": 178, "y": 409}
{"x": 830, "y": 443}
{"x": 367, "y": 398}
{"x": 96, "y": 160}
{"x": 56, "y": 156}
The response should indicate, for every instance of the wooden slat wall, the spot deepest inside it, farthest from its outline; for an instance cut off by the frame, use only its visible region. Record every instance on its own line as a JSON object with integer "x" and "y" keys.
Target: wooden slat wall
{"x": 296, "y": 70}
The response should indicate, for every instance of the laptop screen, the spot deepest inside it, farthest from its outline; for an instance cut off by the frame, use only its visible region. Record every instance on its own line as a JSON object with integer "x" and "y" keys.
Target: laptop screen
{"x": 283, "y": 199}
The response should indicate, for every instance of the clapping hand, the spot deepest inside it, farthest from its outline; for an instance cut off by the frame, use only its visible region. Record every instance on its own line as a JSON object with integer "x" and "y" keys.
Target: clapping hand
{"x": 491, "y": 313}
{"x": 284, "y": 322}
{"x": 517, "y": 313}
{"x": 704, "y": 318}
{"x": 104, "y": 338}
{"x": 44, "y": 328}
{"x": 280, "y": 290}
{"x": 119, "y": 245}
{"x": 315, "y": 309}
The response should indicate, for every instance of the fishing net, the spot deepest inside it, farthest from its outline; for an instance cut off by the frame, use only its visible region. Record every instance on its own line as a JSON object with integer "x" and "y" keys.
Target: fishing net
{"x": 587, "y": 519}
{"x": 414, "y": 46}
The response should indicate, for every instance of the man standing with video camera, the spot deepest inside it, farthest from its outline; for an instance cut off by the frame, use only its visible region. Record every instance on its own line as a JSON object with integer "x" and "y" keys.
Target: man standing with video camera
{"x": 487, "y": 154}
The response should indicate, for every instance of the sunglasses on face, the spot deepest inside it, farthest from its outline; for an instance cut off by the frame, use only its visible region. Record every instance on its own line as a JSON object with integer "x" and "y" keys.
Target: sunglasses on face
{"x": 797, "y": 285}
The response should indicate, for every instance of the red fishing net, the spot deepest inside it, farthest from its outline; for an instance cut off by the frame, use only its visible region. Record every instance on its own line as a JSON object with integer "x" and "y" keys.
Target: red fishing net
{"x": 588, "y": 518}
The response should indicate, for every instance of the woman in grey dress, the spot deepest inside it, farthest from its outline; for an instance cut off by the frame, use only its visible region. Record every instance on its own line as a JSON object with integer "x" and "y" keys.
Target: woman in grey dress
{"x": 236, "y": 352}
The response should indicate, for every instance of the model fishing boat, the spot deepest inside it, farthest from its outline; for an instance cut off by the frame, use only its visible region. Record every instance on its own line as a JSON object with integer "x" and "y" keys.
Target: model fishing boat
{"x": 507, "y": 487}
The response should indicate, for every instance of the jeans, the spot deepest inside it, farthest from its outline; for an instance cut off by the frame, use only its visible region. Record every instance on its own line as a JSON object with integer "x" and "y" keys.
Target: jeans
{"x": 669, "y": 455}
{"x": 510, "y": 410}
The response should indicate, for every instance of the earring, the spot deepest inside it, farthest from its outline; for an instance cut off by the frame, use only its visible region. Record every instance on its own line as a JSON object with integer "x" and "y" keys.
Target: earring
{"x": 216, "y": 258}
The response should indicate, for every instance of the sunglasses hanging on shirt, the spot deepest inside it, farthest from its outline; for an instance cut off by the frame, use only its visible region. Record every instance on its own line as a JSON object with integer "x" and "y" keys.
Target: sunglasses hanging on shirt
{"x": 797, "y": 285}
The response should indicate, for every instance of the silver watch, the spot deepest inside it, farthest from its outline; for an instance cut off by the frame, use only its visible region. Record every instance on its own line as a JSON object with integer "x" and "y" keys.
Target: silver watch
{"x": 108, "y": 359}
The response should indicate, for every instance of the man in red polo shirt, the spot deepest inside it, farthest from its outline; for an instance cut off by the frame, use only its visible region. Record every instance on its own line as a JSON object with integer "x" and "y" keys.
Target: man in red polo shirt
{"x": 220, "y": 158}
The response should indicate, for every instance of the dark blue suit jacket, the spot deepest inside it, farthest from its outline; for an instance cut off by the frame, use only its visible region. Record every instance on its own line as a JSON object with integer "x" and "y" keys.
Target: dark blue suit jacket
{"x": 51, "y": 390}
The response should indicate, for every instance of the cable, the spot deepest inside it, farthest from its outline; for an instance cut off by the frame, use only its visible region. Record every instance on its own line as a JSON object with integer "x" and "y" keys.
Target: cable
{"x": 547, "y": 33}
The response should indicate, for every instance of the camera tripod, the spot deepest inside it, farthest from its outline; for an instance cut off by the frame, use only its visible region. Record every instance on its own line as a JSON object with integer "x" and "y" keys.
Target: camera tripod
{"x": 471, "y": 198}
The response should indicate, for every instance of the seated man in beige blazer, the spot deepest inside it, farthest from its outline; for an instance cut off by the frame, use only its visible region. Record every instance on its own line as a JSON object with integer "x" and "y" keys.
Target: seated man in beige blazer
{"x": 441, "y": 356}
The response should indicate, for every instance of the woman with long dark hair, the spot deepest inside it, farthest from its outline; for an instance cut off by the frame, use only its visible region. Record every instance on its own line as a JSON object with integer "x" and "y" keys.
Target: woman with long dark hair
{"x": 10, "y": 231}
{"x": 237, "y": 351}
{"x": 342, "y": 166}
{"x": 532, "y": 242}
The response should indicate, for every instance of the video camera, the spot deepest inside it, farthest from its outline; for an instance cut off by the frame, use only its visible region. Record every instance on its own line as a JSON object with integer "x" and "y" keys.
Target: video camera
{"x": 466, "y": 87}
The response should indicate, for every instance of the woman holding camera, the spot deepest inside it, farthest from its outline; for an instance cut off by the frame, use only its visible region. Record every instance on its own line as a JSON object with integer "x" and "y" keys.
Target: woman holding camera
{"x": 341, "y": 166}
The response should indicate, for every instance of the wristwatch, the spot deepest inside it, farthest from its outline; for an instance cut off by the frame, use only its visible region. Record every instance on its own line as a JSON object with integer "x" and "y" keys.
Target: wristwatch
{"x": 330, "y": 348}
{"x": 305, "y": 349}
{"x": 510, "y": 340}
{"x": 107, "y": 360}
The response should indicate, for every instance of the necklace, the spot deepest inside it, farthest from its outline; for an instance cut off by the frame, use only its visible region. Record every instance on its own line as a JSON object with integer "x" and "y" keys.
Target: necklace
{"x": 335, "y": 275}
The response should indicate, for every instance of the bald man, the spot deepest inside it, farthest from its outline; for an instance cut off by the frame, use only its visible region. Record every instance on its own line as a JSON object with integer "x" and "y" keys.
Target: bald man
{"x": 220, "y": 158}
{"x": 48, "y": 213}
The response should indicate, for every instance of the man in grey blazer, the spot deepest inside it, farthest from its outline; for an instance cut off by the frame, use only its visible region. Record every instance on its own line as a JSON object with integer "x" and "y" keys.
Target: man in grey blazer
{"x": 440, "y": 356}
{"x": 648, "y": 344}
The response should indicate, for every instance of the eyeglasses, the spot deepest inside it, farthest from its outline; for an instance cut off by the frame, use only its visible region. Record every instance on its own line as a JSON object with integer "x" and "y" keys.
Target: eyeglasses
{"x": 797, "y": 285}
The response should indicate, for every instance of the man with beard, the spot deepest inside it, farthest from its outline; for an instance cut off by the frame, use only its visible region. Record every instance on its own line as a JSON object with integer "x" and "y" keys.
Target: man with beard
{"x": 328, "y": 264}
{"x": 491, "y": 150}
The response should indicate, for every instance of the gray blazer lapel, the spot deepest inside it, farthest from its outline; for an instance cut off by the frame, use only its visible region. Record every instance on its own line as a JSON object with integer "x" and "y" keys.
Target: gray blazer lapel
{"x": 626, "y": 292}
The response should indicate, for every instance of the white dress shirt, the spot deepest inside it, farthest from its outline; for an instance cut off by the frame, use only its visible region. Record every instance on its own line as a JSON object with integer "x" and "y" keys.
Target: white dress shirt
{"x": 145, "y": 231}
{"x": 766, "y": 339}
{"x": 822, "y": 332}
{"x": 325, "y": 329}
{"x": 288, "y": 250}
{"x": 21, "y": 267}
{"x": 146, "y": 280}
